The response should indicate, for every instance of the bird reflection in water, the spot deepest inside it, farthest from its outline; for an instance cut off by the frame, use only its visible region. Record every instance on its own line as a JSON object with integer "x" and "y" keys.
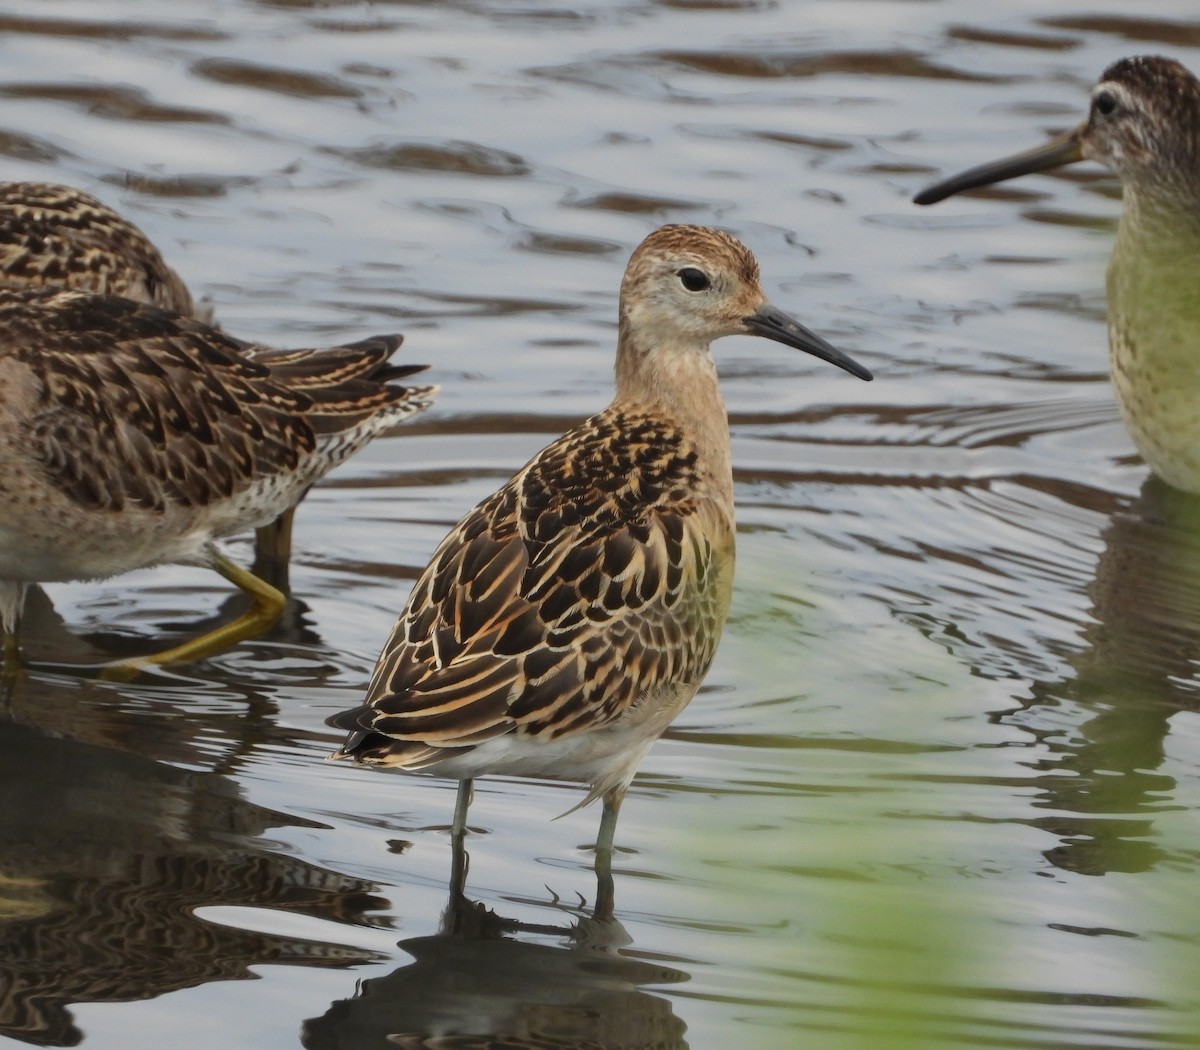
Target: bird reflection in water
{"x": 1100, "y": 774}
{"x": 485, "y": 982}
{"x": 107, "y": 859}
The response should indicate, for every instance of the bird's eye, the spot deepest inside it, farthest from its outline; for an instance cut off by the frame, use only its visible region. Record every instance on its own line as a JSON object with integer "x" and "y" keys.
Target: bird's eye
{"x": 1105, "y": 103}
{"x": 694, "y": 280}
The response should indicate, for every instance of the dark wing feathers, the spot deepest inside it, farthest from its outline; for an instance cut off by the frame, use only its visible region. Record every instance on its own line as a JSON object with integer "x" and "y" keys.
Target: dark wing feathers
{"x": 367, "y": 358}
{"x": 135, "y": 405}
{"x": 346, "y": 385}
{"x": 588, "y": 579}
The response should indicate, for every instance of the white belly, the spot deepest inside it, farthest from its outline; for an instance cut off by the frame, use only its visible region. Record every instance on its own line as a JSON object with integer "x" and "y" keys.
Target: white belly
{"x": 605, "y": 758}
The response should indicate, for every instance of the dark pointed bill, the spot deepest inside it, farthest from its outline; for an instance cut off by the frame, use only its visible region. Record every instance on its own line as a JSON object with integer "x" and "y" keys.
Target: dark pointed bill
{"x": 773, "y": 323}
{"x": 1065, "y": 149}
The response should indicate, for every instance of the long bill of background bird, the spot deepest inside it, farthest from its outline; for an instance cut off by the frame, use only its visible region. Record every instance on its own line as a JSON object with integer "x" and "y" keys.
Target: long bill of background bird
{"x": 1062, "y": 149}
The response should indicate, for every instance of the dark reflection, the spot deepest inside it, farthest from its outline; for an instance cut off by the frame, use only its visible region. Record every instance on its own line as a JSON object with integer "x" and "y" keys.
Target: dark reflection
{"x": 1009, "y": 38}
{"x": 106, "y": 858}
{"x": 113, "y": 102}
{"x": 29, "y": 147}
{"x": 1168, "y": 32}
{"x": 778, "y": 62}
{"x": 294, "y": 82}
{"x": 108, "y": 29}
{"x": 178, "y": 185}
{"x": 1137, "y": 670}
{"x": 48, "y": 640}
{"x": 476, "y": 985}
{"x": 453, "y": 155}
{"x": 628, "y": 203}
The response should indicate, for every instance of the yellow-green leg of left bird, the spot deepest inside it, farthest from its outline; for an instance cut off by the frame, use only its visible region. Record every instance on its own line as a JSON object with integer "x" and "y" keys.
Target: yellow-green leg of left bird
{"x": 273, "y": 551}
{"x": 268, "y": 605}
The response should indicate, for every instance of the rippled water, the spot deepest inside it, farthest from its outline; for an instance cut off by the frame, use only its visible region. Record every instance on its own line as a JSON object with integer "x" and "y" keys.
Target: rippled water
{"x": 941, "y": 787}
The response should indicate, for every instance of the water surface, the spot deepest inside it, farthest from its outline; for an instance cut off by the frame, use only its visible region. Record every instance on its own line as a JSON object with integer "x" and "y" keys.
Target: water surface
{"x": 941, "y": 787}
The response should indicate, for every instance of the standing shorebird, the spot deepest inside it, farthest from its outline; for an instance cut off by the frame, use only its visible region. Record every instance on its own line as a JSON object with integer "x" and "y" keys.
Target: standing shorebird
{"x": 567, "y": 619}
{"x": 55, "y": 236}
{"x": 131, "y": 437}
{"x": 1144, "y": 124}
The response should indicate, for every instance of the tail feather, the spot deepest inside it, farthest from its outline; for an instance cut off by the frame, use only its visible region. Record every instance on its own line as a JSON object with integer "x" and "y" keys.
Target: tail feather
{"x": 370, "y": 748}
{"x": 321, "y": 367}
{"x": 353, "y": 388}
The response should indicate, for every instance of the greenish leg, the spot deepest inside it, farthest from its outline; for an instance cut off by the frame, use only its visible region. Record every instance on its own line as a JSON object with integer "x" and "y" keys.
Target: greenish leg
{"x": 12, "y": 668}
{"x": 466, "y": 795}
{"x": 458, "y": 830}
{"x": 273, "y": 551}
{"x": 268, "y": 605}
{"x": 605, "y": 890}
{"x": 12, "y": 604}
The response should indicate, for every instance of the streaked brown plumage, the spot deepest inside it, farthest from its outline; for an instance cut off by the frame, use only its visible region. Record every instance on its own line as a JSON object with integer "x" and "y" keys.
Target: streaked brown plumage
{"x": 514, "y": 629}
{"x": 54, "y": 236}
{"x": 567, "y": 619}
{"x": 131, "y": 436}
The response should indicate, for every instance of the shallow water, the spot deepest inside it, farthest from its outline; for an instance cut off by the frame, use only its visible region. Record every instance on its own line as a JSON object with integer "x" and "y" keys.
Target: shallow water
{"x": 941, "y": 787}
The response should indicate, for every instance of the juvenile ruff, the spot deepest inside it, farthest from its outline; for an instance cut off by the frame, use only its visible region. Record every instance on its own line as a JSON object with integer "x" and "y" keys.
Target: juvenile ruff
{"x": 55, "y": 236}
{"x": 130, "y": 437}
{"x": 567, "y": 619}
{"x": 1144, "y": 124}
